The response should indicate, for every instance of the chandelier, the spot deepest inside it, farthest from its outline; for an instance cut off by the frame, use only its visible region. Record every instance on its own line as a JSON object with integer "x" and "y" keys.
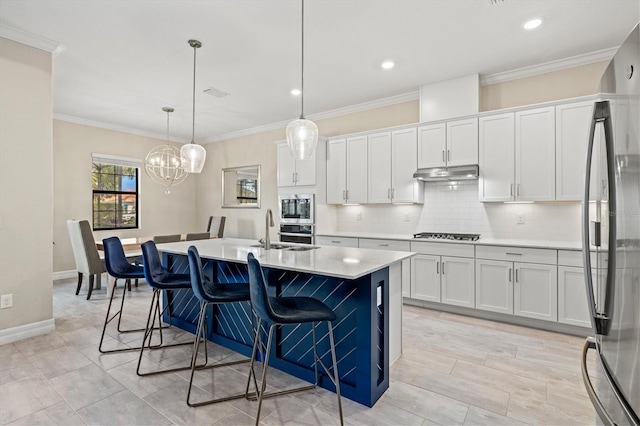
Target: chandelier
{"x": 163, "y": 164}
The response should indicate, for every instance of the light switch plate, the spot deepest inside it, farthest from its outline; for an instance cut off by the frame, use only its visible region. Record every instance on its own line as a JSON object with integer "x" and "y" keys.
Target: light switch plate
{"x": 6, "y": 301}
{"x": 520, "y": 218}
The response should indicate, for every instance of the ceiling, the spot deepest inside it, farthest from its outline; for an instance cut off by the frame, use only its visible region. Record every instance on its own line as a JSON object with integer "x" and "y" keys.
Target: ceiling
{"x": 121, "y": 61}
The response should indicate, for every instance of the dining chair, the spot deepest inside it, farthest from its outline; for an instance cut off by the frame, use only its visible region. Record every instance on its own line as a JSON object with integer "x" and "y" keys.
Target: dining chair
{"x": 216, "y": 225}
{"x": 159, "y": 279}
{"x": 276, "y": 311}
{"x": 198, "y": 236}
{"x": 159, "y": 239}
{"x": 85, "y": 253}
{"x": 119, "y": 267}
{"x": 210, "y": 294}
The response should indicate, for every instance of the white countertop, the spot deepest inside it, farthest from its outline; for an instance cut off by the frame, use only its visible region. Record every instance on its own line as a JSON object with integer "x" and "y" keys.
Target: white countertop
{"x": 341, "y": 262}
{"x": 558, "y": 245}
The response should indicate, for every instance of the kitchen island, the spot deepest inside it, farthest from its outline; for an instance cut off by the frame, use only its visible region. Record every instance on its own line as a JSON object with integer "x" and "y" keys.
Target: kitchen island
{"x": 362, "y": 286}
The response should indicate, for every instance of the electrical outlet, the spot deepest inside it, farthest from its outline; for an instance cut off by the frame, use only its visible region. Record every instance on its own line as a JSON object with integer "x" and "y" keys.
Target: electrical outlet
{"x": 6, "y": 301}
{"x": 520, "y": 218}
{"x": 359, "y": 217}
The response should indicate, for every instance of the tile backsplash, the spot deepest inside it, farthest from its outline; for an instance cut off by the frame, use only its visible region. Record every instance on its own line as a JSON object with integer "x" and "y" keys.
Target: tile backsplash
{"x": 455, "y": 208}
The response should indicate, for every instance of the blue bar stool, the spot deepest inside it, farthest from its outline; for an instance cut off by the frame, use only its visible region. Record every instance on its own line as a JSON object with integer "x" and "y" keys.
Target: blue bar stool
{"x": 159, "y": 279}
{"x": 118, "y": 267}
{"x": 287, "y": 310}
{"x": 211, "y": 294}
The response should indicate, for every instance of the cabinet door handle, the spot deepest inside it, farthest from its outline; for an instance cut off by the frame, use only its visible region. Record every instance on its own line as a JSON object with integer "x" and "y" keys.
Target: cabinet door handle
{"x": 443, "y": 155}
{"x": 509, "y": 274}
{"x": 516, "y": 275}
{"x": 513, "y": 254}
{"x": 511, "y": 190}
{"x": 335, "y": 242}
{"x": 518, "y": 190}
{"x": 344, "y": 194}
{"x": 389, "y": 193}
{"x": 393, "y": 193}
{"x": 347, "y": 196}
{"x": 437, "y": 267}
{"x": 442, "y": 268}
{"x": 383, "y": 245}
{"x": 448, "y": 155}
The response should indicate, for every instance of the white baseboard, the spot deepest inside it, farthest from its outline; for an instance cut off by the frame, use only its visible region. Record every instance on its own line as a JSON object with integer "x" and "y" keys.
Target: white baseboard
{"x": 63, "y": 275}
{"x": 26, "y": 331}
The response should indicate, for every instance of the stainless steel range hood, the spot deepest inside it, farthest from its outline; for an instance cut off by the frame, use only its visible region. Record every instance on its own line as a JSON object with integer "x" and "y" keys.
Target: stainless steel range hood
{"x": 440, "y": 174}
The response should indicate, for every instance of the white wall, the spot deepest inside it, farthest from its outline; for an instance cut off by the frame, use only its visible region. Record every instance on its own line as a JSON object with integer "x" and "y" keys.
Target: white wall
{"x": 26, "y": 96}
{"x": 160, "y": 213}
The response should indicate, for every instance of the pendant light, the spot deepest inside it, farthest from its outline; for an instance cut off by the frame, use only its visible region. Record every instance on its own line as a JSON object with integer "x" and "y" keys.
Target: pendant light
{"x": 193, "y": 155}
{"x": 163, "y": 164}
{"x": 302, "y": 134}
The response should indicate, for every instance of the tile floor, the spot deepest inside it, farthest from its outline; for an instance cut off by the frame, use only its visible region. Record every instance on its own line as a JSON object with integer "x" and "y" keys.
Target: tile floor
{"x": 454, "y": 370}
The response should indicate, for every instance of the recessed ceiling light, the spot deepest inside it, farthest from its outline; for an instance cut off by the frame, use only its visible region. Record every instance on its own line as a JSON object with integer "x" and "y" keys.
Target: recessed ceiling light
{"x": 387, "y": 65}
{"x": 296, "y": 92}
{"x": 531, "y": 24}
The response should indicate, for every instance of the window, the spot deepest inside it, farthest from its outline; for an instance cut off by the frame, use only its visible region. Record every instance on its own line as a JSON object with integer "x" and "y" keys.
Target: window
{"x": 115, "y": 192}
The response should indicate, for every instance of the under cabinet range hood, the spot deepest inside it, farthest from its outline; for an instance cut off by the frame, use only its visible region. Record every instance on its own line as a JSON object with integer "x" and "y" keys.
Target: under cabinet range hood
{"x": 440, "y": 174}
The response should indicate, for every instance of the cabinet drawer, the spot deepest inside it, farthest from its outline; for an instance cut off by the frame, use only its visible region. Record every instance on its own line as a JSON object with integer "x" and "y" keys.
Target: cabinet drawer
{"x": 398, "y": 245}
{"x": 574, "y": 258}
{"x": 337, "y": 241}
{"x": 443, "y": 249}
{"x": 517, "y": 254}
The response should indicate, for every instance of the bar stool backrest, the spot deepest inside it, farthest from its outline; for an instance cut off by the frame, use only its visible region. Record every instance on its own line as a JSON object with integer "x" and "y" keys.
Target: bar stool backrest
{"x": 153, "y": 270}
{"x": 195, "y": 271}
{"x": 114, "y": 257}
{"x": 258, "y": 290}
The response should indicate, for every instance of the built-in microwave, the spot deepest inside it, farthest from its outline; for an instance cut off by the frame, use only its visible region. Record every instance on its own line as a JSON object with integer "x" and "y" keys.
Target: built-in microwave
{"x": 297, "y": 209}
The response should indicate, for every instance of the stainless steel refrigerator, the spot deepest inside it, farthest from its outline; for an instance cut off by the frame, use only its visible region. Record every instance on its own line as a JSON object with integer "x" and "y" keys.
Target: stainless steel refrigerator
{"x": 611, "y": 241}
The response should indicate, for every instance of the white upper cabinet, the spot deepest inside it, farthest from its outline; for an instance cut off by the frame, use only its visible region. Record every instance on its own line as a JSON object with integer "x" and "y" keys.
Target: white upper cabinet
{"x": 573, "y": 122}
{"x": 336, "y": 171}
{"x": 517, "y": 156}
{"x": 292, "y": 172}
{"x": 392, "y": 162}
{"x": 454, "y": 143}
{"x": 404, "y": 187}
{"x": 496, "y": 157}
{"x": 379, "y": 170}
{"x": 347, "y": 170}
{"x": 432, "y": 145}
{"x": 462, "y": 142}
{"x": 535, "y": 155}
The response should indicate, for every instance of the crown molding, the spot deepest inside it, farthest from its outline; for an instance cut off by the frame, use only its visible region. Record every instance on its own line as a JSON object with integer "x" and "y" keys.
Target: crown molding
{"x": 115, "y": 127}
{"x": 30, "y": 39}
{"x": 391, "y": 100}
{"x": 573, "y": 61}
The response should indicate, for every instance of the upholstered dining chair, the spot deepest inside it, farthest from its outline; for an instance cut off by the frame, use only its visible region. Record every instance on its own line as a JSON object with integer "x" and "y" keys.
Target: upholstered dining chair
{"x": 216, "y": 225}
{"x": 198, "y": 236}
{"x": 173, "y": 238}
{"x": 85, "y": 253}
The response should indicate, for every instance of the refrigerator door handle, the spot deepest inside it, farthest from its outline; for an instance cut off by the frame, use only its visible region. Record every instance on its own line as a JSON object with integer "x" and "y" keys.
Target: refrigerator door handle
{"x": 593, "y": 396}
{"x": 599, "y": 320}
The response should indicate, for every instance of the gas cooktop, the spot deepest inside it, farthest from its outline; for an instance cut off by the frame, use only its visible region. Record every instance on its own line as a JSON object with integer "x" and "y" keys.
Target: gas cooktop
{"x": 447, "y": 236}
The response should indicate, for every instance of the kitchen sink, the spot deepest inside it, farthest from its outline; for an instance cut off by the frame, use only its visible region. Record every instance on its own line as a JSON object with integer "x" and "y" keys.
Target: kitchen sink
{"x": 301, "y": 248}
{"x": 274, "y": 246}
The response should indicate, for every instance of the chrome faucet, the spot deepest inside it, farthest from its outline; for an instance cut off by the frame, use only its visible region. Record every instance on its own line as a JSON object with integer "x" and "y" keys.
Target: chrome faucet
{"x": 268, "y": 223}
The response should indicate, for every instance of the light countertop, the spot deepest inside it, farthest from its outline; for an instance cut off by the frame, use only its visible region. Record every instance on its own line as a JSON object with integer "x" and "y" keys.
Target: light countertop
{"x": 557, "y": 245}
{"x": 341, "y": 262}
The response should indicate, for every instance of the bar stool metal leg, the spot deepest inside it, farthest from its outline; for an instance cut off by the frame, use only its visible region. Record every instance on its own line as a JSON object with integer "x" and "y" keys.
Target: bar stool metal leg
{"x": 201, "y": 334}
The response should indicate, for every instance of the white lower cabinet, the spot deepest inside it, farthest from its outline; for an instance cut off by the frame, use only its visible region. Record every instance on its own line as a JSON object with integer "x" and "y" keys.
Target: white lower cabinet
{"x": 425, "y": 277}
{"x": 572, "y": 296}
{"x": 457, "y": 280}
{"x": 336, "y": 241}
{"x": 535, "y": 292}
{"x": 395, "y": 245}
{"x": 523, "y": 289}
{"x": 494, "y": 290}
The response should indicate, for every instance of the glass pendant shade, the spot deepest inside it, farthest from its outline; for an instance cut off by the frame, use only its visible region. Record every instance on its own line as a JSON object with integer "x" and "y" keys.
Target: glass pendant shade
{"x": 193, "y": 156}
{"x": 302, "y": 138}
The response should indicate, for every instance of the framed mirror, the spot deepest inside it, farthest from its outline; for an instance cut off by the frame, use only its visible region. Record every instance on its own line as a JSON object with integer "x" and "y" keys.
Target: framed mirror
{"x": 241, "y": 187}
